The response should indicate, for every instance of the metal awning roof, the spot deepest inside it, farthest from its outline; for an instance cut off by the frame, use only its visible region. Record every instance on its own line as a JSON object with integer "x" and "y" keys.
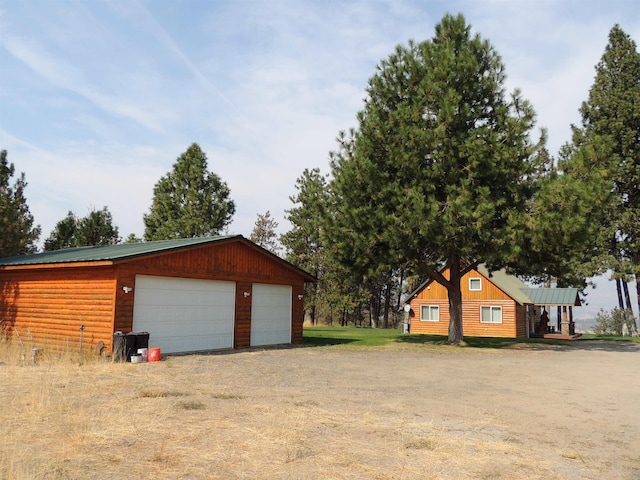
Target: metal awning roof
{"x": 553, "y": 296}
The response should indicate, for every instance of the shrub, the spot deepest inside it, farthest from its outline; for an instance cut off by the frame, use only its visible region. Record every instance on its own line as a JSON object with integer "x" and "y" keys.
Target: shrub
{"x": 609, "y": 323}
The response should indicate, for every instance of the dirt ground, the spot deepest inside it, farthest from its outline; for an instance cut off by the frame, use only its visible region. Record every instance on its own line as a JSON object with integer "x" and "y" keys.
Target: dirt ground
{"x": 410, "y": 412}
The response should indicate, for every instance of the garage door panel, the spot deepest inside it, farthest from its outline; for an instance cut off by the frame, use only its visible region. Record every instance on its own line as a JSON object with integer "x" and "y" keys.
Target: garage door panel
{"x": 270, "y": 314}
{"x": 184, "y": 314}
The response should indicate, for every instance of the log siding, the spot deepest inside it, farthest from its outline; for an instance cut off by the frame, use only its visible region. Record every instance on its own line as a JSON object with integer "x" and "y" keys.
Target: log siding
{"x": 513, "y": 314}
{"x": 52, "y": 301}
{"x": 53, "y": 307}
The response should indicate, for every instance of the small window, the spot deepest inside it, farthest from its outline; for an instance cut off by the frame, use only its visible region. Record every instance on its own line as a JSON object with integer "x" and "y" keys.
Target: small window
{"x": 475, "y": 284}
{"x": 490, "y": 314}
{"x": 430, "y": 313}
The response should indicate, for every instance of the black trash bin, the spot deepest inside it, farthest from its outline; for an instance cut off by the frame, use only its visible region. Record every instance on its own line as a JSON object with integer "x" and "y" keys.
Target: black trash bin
{"x": 142, "y": 340}
{"x": 130, "y": 345}
{"x": 124, "y": 345}
{"x": 127, "y": 344}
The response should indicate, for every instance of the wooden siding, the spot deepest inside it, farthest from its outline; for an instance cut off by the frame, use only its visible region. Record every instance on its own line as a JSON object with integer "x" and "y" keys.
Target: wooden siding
{"x": 53, "y": 304}
{"x": 53, "y": 301}
{"x": 430, "y": 328}
{"x": 233, "y": 261}
{"x": 242, "y": 330}
{"x": 521, "y": 316}
{"x": 123, "y": 316}
{"x": 513, "y": 315}
{"x": 297, "y": 314}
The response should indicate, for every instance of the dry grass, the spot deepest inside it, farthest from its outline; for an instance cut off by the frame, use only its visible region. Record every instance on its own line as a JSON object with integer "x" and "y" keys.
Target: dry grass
{"x": 294, "y": 413}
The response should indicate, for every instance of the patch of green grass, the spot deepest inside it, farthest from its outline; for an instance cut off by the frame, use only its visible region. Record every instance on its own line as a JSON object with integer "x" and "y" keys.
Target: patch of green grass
{"x": 616, "y": 338}
{"x": 376, "y": 337}
{"x": 356, "y": 336}
{"x": 478, "y": 342}
{"x": 482, "y": 342}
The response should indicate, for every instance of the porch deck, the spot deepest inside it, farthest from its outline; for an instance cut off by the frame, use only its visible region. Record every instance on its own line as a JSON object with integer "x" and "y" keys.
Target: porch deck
{"x": 556, "y": 336}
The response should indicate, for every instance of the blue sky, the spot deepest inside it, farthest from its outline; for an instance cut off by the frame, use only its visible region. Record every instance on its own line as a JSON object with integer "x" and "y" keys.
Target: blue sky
{"x": 99, "y": 98}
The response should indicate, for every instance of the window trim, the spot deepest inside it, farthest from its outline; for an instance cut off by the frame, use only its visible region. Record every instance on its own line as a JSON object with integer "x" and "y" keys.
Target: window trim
{"x": 422, "y": 319}
{"x": 475, "y": 289}
{"x": 491, "y": 310}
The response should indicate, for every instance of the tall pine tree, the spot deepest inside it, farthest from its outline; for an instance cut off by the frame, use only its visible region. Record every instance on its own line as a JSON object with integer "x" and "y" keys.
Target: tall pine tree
{"x": 609, "y": 138}
{"x": 189, "y": 201}
{"x": 63, "y": 234}
{"x": 18, "y": 235}
{"x": 303, "y": 243}
{"x": 264, "y": 233}
{"x": 96, "y": 228}
{"x": 439, "y": 172}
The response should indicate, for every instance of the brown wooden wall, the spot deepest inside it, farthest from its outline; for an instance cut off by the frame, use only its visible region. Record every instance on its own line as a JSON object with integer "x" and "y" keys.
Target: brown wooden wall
{"x": 521, "y": 326}
{"x": 233, "y": 261}
{"x": 242, "y": 328}
{"x": 297, "y": 315}
{"x": 52, "y": 304}
{"x": 513, "y": 315}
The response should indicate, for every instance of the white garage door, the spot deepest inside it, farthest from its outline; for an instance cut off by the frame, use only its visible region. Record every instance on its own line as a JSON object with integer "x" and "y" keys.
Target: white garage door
{"x": 270, "y": 314}
{"x": 183, "y": 314}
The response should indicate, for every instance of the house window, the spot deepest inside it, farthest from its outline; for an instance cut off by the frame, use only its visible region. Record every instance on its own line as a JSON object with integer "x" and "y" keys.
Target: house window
{"x": 430, "y": 313}
{"x": 475, "y": 284}
{"x": 490, "y": 314}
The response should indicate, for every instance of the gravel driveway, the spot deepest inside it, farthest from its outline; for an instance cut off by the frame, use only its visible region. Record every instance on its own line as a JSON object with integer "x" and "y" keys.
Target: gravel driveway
{"x": 402, "y": 412}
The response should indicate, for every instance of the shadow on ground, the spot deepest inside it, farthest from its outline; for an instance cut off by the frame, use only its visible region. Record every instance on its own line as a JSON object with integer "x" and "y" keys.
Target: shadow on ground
{"x": 529, "y": 344}
{"x": 326, "y": 341}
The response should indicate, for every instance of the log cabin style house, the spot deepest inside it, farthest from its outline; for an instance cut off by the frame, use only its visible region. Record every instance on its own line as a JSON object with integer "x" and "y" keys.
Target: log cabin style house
{"x": 190, "y": 295}
{"x": 494, "y": 304}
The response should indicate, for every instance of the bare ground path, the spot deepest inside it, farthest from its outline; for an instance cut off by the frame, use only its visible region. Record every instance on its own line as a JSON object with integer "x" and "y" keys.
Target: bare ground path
{"x": 406, "y": 412}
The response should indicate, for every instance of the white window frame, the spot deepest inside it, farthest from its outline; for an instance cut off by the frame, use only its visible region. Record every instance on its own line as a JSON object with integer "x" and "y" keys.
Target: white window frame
{"x": 429, "y": 308}
{"x": 479, "y": 289}
{"x": 492, "y": 309}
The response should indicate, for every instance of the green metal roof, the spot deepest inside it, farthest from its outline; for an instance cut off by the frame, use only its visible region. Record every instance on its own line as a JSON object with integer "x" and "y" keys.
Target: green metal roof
{"x": 109, "y": 252}
{"x": 553, "y": 296}
{"x": 509, "y": 284}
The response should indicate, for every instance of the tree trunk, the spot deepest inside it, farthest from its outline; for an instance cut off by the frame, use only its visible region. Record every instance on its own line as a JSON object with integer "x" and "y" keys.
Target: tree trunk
{"x": 638, "y": 293}
{"x": 387, "y": 304}
{"x": 313, "y": 294}
{"x": 373, "y": 312}
{"x": 631, "y": 319}
{"x": 619, "y": 289}
{"x": 395, "y": 317}
{"x": 455, "y": 301}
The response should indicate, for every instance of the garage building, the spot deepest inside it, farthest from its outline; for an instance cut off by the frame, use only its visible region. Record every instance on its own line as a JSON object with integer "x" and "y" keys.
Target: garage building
{"x": 193, "y": 294}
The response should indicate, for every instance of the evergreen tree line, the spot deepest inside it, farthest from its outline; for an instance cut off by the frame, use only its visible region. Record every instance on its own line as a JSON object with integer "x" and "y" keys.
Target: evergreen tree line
{"x": 189, "y": 201}
{"x": 444, "y": 169}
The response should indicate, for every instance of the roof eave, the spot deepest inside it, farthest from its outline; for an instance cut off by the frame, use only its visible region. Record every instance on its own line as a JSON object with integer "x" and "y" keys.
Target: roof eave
{"x": 42, "y": 266}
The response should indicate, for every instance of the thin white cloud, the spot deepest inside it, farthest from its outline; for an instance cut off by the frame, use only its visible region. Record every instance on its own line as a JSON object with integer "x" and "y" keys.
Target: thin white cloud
{"x": 69, "y": 77}
{"x": 166, "y": 39}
